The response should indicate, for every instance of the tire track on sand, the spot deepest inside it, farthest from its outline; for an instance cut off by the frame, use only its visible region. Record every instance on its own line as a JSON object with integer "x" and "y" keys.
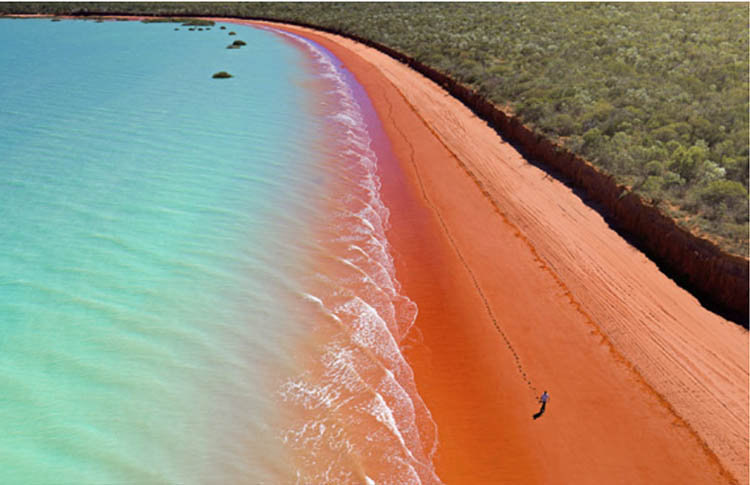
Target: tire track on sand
{"x": 431, "y": 205}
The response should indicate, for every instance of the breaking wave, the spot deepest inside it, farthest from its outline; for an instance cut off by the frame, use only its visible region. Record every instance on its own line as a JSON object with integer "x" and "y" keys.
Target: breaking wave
{"x": 358, "y": 416}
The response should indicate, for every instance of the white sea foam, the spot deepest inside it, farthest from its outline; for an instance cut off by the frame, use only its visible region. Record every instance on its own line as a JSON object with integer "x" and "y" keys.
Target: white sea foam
{"x": 361, "y": 398}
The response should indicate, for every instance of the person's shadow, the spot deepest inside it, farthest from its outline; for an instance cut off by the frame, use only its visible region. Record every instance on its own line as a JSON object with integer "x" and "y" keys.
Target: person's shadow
{"x": 541, "y": 411}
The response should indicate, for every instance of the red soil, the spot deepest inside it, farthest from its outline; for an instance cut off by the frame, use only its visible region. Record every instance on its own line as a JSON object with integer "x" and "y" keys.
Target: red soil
{"x": 521, "y": 287}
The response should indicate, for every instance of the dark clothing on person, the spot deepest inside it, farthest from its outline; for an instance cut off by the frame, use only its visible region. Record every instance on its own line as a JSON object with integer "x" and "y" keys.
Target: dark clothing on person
{"x": 541, "y": 411}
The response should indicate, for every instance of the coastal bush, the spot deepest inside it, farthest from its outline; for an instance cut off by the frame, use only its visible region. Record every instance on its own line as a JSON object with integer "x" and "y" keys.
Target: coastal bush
{"x": 161, "y": 20}
{"x": 725, "y": 198}
{"x": 186, "y": 22}
{"x": 198, "y": 22}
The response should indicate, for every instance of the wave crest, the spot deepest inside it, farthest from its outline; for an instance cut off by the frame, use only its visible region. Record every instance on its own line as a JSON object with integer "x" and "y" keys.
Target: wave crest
{"x": 360, "y": 417}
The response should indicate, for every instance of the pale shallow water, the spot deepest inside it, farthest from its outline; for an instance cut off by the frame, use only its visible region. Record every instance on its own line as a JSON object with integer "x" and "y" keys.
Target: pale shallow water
{"x": 195, "y": 283}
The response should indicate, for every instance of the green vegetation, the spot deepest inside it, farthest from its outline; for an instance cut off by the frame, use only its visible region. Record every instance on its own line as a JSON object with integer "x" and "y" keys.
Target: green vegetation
{"x": 222, "y": 75}
{"x": 198, "y": 22}
{"x": 162, "y": 20}
{"x": 184, "y": 21}
{"x": 655, "y": 94}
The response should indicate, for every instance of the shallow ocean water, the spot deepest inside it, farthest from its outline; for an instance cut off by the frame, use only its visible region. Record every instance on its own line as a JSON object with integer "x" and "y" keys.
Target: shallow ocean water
{"x": 195, "y": 283}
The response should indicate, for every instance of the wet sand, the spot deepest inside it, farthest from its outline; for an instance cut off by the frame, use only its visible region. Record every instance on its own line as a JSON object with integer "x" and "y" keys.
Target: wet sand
{"x": 521, "y": 287}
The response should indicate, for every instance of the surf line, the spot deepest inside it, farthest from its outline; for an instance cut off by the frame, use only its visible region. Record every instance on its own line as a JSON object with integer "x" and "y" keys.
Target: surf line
{"x": 431, "y": 205}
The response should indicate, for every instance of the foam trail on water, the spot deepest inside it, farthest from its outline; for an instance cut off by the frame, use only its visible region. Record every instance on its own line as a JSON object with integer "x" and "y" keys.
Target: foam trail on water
{"x": 360, "y": 417}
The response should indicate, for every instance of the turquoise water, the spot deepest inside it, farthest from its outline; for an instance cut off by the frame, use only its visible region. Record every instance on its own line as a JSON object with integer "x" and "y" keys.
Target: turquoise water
{"x": 148, "y": 219}
{"x": 195, "y": 283}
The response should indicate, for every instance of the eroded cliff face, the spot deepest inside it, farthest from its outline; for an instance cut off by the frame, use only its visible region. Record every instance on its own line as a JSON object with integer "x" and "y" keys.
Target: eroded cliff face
{"x": 717, "y": 278}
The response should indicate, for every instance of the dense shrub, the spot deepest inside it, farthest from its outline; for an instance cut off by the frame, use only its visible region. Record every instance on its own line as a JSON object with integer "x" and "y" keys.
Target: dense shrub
{"x": 184, "y": 21}
{"x": 725, "y": 198}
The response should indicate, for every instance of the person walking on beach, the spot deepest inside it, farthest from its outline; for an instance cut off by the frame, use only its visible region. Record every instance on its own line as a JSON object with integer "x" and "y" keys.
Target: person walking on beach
{"x": 543, "y": 400}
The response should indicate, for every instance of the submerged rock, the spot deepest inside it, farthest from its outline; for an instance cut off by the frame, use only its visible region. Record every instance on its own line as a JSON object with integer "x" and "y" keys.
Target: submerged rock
{"x": 236, "y": 44}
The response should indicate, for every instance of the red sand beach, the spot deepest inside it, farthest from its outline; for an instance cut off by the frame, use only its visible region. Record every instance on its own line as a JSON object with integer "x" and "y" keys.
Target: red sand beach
{"x": 520, "y": 288}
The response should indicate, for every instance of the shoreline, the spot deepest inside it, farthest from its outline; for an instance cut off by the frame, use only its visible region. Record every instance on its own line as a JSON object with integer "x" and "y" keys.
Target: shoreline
{"x": 369, "y": 369}
{"x": 489, "y": 265}
{"x": 626, "y": 418}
